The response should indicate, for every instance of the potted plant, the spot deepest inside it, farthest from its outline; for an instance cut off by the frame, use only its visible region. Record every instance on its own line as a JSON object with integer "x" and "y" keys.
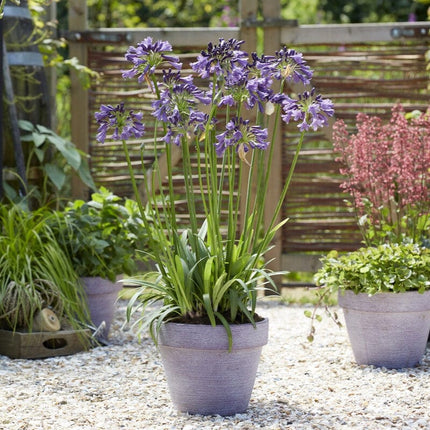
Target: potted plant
{"x": 101, "y": 237}
{"x": 35, "y": 272}
{"x": 209, "y": 271}
{"x": 383, "y": 287}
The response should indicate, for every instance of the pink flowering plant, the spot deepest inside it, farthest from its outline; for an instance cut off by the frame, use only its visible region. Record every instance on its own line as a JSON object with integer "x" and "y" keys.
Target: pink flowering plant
{"x": 209, "y": 271}
{"x": 387, "y": 174}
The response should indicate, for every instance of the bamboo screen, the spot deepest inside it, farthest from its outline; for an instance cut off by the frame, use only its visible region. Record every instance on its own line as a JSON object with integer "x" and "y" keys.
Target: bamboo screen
{"x": 359, "y": 77}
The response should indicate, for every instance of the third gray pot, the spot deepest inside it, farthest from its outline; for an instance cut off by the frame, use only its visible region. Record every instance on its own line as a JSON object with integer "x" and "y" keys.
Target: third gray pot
{"x": 101, "y": 298}
{"x": 202, "y": 375}
{"x": 387, "y": 329}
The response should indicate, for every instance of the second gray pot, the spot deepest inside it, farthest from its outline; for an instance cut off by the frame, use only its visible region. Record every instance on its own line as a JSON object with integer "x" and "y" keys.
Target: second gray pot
{"x": 387, "y": 329}
{"x": 101, "y": 298}
{"x": 202, "y": 375}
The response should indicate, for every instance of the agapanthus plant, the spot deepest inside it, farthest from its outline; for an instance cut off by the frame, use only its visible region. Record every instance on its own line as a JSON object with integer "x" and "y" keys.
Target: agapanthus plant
{"x": 387, "y": 174}
{"x": 210, "y": 271}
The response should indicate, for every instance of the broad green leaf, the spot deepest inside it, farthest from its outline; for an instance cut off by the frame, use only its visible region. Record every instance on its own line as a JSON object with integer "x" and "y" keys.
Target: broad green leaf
{"x": 57, "y": 141}
{"x": 85, "y": 175}
{"x": 38, "y": 139}
{"x": 246, "y": 312}
{"x": 209, "y": 309}
{"x": 207, "y": 275}
{"x": 40, "y": 154}
{"x": 68, "y": 151}
{"x": 56, "y": 175}
{"x": 179, "y": 269}
{"x": 43, "y": 129}
{"x": 227, "y": 328}
{"x": 25, "y": 125}
{"x": 220, "y": 288}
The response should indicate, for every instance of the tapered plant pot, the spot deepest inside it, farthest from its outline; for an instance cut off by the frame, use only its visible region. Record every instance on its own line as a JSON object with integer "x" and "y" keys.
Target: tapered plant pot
{"x": 203, "y": 376}
{"x": 388, "y": 329}
{"x": 101, "y": 298}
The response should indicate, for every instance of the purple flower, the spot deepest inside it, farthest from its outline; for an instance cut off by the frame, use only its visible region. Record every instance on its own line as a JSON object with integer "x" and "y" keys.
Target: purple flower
{"x": 176, "y": 107}
{"x": 287, "y": 64}
{"x": 199, "y": 120}
{"x": 147, "y": 56}
{"x": 220, "y": 59}
{"x": 173, "y": 135}
{"x": 311, "y": 110}
{"x": 260, "y": 91}
{"x": 124, "y": 125}
{"x": 246, "y": 85}
{"x": 241, "y": 135}
{"x": 176, "y": 103}
{"x": 234, "y": 91}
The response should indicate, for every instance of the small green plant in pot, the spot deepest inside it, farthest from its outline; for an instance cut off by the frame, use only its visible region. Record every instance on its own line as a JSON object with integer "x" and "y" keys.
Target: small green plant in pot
{"x": 210, "y": 269}
{"x": 383, "y": 288}
{"x": 35, "y": 272}
{"x": 101, "y": 237}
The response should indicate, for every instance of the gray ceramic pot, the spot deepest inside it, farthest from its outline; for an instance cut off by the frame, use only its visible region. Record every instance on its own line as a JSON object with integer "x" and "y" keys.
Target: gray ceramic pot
{"x": 101, "y": 297}
{"x": 388, "y": 329}
{"x": 202, "y": 375}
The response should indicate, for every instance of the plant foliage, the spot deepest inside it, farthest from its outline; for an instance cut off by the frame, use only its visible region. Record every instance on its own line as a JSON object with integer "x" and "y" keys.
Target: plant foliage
{"x": 101, "y": 236}
{"x": 386, "y": 166}
{"x": 211, "y": 270}
{"x": 386, "y": 268}
{"x": 56, "y": 157}
{"x": 35, "y": 272}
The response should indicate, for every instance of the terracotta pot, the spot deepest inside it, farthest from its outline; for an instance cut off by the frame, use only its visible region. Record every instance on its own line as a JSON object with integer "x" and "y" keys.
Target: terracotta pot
{"x": 388, "y": 329}
{"x": 202, "y": 375}
{"x": 101, "y": 297}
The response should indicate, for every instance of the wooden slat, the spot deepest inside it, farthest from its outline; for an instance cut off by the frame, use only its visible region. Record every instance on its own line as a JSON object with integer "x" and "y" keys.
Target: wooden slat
{"x": 354, "y": 33}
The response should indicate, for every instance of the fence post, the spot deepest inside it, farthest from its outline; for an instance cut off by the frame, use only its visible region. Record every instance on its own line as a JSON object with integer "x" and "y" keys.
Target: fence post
{"x": 271, "y": 10}
{"x": 248, "y": 33}
{"x": 272, "y": 43}
{"x": 79, "y": 96}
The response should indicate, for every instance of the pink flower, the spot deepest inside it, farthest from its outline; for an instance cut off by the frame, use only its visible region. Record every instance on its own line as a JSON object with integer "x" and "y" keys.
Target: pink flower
{"x": 387, "y": 167}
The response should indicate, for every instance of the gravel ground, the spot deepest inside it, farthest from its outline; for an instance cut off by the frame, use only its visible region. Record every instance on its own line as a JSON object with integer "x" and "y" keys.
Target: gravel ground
{"x": 299, "y": 386}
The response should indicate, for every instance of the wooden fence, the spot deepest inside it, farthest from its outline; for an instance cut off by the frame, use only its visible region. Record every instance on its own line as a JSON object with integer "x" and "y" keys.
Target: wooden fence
{"x": 362, "y": 68}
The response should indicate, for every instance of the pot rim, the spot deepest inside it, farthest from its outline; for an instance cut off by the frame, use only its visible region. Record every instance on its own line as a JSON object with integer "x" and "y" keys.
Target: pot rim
{"x": 204, "y": 336}
{"x": 407, "y": 301}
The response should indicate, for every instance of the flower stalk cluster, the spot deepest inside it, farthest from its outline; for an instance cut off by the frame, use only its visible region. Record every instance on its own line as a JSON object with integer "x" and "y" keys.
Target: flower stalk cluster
{"x": 387, "y": 174}
{"x": 210, "y": 269}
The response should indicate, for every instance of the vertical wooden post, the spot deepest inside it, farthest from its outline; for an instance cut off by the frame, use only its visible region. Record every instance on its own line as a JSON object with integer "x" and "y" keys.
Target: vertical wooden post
{"x": 1, "y": 112}
{"x": 51, "y": 76}
{"x": 272, "y": 43}
{"x": 77, "y": 19}
{"x": 248, "y": 33}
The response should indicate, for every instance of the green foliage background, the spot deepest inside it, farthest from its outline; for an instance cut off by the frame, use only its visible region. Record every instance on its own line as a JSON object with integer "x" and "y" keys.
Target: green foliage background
{"x": 189, "y": 13}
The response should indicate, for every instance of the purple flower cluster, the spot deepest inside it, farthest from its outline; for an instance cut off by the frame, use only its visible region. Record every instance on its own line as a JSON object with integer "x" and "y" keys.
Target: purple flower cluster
{"x": 147, "y": 56}
{"x": 310, "y": 110}
{"x": 244, "y": 85}
{"x": 241, "y": 135}
{"x": 176, "y": 107}
{"x": 236, "y": 79}
{"x": 220, "y": 59}
{"x": 124, "y": 125}
{"x": 287, "y": 64}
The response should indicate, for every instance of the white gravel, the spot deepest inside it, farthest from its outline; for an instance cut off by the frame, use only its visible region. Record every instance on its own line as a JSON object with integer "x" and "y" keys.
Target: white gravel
{"x": 299, "y": 386}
